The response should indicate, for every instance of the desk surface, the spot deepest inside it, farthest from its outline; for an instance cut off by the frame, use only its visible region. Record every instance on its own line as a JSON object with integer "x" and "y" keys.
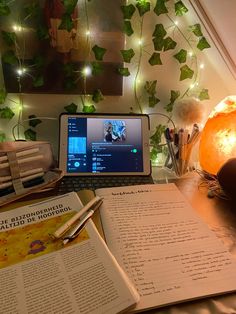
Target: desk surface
{"x": 220, "y": 216}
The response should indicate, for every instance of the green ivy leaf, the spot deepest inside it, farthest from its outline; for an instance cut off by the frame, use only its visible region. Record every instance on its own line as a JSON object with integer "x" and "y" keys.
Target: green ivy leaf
{"x": 158, "y": 43}
{"x": 89, "y": 109}
{"x": 169, "y": 107}
{"x": 9, "y": 38}
{"x": 155, "y": 59}
{"x": 39, "y": 61}
{"x": 181, "y": 56}
{"x": 97, "y": 96}
{"x": 10, "y": 57}
{"x": 150, "y": 87}
{"x": 173, "y": 96}
{"x": 160, "y": 7}
{"x": 159, "y": 31}
{"x": 38, "y": 81}
{"x": 153, "y": 153}
{"x": 203, "y": 44}
{"x": 143, "y": 7}
{"x": 34, "y": 121}
{"x": 169, "y": 43}
{"x": 69, "y": 84}
{"x": 6, "y": 113}
{"x": 3, "y": 95}
{"x": 155, "y": 139}
{"x": 128, "y": 11}
{"x": 196, "y": 29}
{"x": 2, "y": 137}
{"x": 32, "y": 10}
{"x": 152, "y": 101}
{"x": 72, "y": 108}
{"x": 4, "y": 9}
{"x": 42, "y": 32}
{"x": 70, "y": 5}
{"x": 30, "y": 135}
{"x": 127, "y": 28}
{"x": 124, "y": 71}
{"x": 127, "y": 55}
{"x": 69, "y": 69}
{"x": 180, "y": 8}
{"x": 99, "y": 52}
{"x": 96, "y": 68}
{"x": 66, "y": 22}
{"x": 186, "y": 72}
{"x": 204, "y": 94}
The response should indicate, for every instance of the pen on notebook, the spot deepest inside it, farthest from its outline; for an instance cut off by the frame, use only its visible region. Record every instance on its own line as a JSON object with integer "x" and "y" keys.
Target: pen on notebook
{"x": 58, "y": 233}
{"x": 75, "y": 230}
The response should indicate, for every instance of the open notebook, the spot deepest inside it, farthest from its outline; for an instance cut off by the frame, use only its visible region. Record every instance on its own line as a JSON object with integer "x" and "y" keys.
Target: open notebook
{"x": 103, "y": 150}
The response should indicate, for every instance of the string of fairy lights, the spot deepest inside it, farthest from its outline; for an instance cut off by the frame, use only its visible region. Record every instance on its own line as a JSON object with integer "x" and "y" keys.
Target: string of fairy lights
{"x": 138, "y": 42}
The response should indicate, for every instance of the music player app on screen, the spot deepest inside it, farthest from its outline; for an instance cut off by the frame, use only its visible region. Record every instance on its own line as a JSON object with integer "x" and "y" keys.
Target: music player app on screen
{"x": 104, "y": 145}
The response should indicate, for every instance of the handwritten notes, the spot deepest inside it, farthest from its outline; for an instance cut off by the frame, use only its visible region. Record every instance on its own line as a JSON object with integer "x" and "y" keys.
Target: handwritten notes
{"x": 166, "y": 249}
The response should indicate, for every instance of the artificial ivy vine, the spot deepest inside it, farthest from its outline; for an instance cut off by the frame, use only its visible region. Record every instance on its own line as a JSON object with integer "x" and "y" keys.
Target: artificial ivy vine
{"x": 162, "y": 42}
{"x": 134, "y": 16}
{"x": 14, "y": 56}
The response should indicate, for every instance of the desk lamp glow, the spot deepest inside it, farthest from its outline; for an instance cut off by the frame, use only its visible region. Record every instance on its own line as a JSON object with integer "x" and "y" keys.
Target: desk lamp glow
{"x": 218, "y": 139}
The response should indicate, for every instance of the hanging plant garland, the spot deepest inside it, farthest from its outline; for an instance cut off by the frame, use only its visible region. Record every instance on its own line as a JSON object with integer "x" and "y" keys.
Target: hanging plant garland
{"x": 134, "y": 15}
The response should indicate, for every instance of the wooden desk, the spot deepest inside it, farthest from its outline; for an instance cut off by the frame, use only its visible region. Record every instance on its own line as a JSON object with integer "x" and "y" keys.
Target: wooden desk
{"x": 220, "y": 215}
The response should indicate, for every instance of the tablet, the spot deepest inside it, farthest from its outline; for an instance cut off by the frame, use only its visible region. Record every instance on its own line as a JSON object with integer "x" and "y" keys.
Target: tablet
{"x": 104, "y": 144}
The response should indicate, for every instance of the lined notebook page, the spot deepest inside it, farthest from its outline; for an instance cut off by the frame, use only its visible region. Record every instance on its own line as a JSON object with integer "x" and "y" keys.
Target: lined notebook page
{"x": 169, "y": 253}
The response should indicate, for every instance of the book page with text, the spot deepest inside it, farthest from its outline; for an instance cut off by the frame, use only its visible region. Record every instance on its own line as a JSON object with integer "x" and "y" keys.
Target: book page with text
{"x": 41, "y": 275}
{"x": 169, "y": 253}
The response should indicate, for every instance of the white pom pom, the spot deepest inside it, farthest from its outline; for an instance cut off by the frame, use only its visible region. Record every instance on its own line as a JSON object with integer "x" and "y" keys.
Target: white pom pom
{"x": 188, "y": 111}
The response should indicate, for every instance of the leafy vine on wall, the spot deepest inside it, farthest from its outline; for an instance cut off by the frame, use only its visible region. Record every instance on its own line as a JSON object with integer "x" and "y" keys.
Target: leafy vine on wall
{"x": 191, "y": 42}
{"x": 184, "y": 50}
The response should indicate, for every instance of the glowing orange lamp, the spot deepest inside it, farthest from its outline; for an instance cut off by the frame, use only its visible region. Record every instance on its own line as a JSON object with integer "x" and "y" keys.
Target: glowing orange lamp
{"x": 218, "y": 139}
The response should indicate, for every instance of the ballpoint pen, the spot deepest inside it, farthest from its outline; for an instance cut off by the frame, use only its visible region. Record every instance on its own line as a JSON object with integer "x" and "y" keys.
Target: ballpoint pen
{"x": 75, "y": 231}
{"x": 58, "y": 233}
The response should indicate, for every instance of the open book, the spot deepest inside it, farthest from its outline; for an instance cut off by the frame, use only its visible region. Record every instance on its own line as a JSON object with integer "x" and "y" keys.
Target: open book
{"x": 39, "y": 275}
{"x": 169, "y": 253}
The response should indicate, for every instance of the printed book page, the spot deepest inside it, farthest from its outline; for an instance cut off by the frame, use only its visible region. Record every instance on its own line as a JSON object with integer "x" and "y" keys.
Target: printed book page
{"x": 169, "y": 253}
{"x": 39, "y": 274}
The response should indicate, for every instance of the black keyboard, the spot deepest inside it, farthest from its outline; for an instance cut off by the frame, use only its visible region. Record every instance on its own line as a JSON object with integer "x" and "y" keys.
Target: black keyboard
{"x": 69, "y": 184}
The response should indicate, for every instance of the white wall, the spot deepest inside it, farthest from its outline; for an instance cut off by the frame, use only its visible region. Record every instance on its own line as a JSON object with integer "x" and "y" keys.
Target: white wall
{"x": 216, "y": 77}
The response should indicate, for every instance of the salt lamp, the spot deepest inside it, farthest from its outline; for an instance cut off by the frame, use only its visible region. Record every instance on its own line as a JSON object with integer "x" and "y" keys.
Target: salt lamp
{"x": 218, "y": 139}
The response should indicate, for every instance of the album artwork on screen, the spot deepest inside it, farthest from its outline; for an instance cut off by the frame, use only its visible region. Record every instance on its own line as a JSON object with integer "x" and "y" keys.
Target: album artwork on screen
{"x": 114, "y": 131}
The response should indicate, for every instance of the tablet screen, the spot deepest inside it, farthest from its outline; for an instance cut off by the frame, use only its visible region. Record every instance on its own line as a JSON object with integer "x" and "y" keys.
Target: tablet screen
{"x": 104, "y": 144}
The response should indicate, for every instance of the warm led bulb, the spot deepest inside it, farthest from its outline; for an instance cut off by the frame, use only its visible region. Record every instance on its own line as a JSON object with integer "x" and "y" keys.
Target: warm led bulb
{"x": 88, "y": 33}
{"x": 176, "y": 23}
{"x": 192, "y": 86}
{"x": 140, "y": 42}
{"x": 20, "y": 71}
{"x": 202, "y": 66}
{"x": 190, "y": 53}
{"x": 87, "y": 71}
{"x": 17, "y": 28}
